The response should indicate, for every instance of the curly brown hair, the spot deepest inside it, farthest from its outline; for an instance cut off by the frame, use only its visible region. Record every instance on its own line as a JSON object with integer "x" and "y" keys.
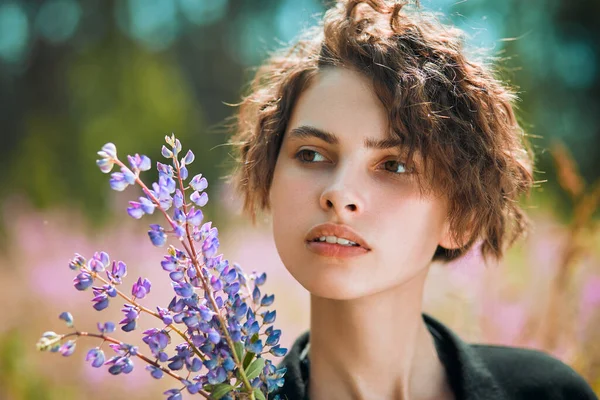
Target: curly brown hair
{"x": 448, "y": 108}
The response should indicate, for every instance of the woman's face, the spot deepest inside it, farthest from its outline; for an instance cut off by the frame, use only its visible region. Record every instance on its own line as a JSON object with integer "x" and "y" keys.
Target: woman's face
{"x": 335, "y": 167}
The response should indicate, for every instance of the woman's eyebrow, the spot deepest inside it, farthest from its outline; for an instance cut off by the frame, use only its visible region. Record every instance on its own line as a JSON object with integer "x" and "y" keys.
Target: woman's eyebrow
{"x": 307, "y": 131}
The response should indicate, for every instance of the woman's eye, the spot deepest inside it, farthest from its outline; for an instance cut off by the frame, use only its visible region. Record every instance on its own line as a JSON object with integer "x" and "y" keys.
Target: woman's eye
{"x": 309, "y": 156}
{"x": 395, "y": 167}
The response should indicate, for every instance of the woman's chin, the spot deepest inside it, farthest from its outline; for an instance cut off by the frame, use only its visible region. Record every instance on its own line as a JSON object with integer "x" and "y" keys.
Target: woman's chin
{"x": 333, "y": 283}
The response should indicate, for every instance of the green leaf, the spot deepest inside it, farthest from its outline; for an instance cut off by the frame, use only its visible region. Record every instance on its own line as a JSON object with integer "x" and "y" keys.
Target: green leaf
{"x": 239, "y": 350}
{"x": 249, "y": 356}
{"x": 255, "y": 368}
{"x": 259, "y": 395}
{"x": 220, "y": 390}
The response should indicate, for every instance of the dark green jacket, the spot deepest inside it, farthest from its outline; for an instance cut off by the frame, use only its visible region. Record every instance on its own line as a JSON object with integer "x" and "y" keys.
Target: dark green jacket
{"x": 476, "y": 372}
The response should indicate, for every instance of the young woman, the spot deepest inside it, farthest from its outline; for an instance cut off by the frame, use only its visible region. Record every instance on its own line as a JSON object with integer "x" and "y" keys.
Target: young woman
{"x": 378, "y": 147}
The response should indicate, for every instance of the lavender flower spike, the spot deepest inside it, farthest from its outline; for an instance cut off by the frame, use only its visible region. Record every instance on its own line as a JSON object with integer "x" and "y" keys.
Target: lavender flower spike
{"x": 214, "y": 314}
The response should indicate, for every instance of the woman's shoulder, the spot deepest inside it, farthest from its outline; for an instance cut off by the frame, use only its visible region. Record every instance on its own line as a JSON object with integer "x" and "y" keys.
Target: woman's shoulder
{"x": 532, "y": 374}
{"x": 483, "y": 371}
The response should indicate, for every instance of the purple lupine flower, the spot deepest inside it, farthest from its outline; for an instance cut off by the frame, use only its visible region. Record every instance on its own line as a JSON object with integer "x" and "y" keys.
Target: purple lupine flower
{"x": 178, "y": 230}
{"x": 135, "y": 210}
{"x": 278, "y": 351}
{"x": 99, "y": 261}
{"x": 67, "y": 317}
{"x": 269, "y": 316}
{"x": 206, "y": 313}
{"x": 274, "y": 383}
{"x": 118, "y": 182}
{"x": 273, "y": 336}
{"x": 177, "y": 361}
{"x": 157, "y": 235}
{"x": 232, "y": 288}
{"x": 179, "y": 216}
{"x": 174, "y": 394}
{"x": 124, "y": 349}
{"x": 195, "y": 365}
{"x": 120, "y": 365}
{"x": 157, "y": 340}
{"x": 177, "y": 147}
{"x": 128, "y": 175}
{"x": 214, "y": 336}
{"x": 147, "y": 205}
{"x": 177, "y": 276}
{"x": 199, "y": 183}
{"x": 200, "y": 199}
{"x": 211, "y": 363}
{"x": 251, "y": 326}
{"x": 100, "y": 301}
{"x": 176, "y": 305}
{"x": 267, "y": 300}
{"x": 108, "y": 154}
{"x": 229, "y": 364}
{"x": 139, "y": 162}
{"x": 161, "y": 192}
{"x": 183, "y": 289}
{"x": 83, "y": 281}
{"x": 130, "y": 320}
{"x": 77, "y": 262}
{"x": 192, "y": 320}
{"x": 96, "y": 356}
{"x": 166, "y": 153}
{"x": 118, "y": 271}
{"x": 195, "y": 217}
{"x": 217, "y": 376}
{"x": 256, "y": 295}
{"x": 164, "y": 169}
{"x": 260, "y": 280}
{"x": 183, "y": 173}
{"x": 141, "y": 288}
{"x": 216, "y": 283}
{"x": 107, "y": 327}
{"x": 109, "y": 150}
{"x": 210, "y": 246}
{"x": 169, "y": 263}
{"x": 167, "y": 183}
{"x": 67, "y": 348}
{"x": 166, "y": 316}
{"x": 106, "y": 165}
{"x": 110, "y": 290}
{"x": 187, "y": 307}
{"x": 188, "y": 159}
{"x": 156, "y": 373}
{"x": 229, "y": 274}
{"x": 178, "y": 199}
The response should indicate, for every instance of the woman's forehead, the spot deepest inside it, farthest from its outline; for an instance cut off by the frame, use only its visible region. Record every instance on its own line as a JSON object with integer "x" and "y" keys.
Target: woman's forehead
{"x": 341, "y": 101}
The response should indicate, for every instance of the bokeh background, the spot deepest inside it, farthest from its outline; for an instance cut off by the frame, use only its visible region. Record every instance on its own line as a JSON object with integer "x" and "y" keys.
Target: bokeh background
{"x": 77, "y": 74}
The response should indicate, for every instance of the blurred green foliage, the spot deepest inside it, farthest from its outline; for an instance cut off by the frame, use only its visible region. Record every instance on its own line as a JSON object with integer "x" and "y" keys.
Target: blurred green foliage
{"x": 76, "y": 74}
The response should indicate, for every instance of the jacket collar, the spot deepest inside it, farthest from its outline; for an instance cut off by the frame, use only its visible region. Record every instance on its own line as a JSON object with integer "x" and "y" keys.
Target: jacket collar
{"x": 469, "y": 378}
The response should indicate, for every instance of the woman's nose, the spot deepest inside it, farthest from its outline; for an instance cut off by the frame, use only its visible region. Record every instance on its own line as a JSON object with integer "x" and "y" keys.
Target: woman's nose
{"x": 342, "y": 194}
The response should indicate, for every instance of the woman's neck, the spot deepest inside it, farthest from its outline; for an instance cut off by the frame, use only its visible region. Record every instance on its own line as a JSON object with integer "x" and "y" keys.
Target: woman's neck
{"x": 375, "y": 347}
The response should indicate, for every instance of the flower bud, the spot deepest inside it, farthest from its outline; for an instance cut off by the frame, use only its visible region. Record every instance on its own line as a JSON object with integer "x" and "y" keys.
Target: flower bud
{"x": 67, "y": 317}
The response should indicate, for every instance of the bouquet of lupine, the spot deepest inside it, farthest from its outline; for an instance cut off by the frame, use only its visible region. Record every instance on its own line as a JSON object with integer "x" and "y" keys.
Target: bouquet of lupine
{"x": 217, "y": 313}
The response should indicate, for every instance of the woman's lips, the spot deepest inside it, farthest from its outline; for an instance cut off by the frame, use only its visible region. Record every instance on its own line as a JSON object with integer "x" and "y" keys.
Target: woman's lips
{"x": 335, "y": 250}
